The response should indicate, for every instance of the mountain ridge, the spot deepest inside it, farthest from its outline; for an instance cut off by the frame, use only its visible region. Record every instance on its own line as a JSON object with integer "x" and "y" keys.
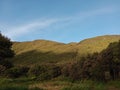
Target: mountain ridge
{"x": 46, "y": 51}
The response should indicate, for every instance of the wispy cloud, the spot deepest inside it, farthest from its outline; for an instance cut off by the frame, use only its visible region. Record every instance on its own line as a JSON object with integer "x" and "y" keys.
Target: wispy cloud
{"x": 20, "y": 30}
{"x": 17, "y": 31}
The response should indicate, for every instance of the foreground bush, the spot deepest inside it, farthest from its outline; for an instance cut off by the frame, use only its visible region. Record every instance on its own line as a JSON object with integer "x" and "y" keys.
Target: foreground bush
{"x": 2, "y": 70}
{"x": 36, "y": 70}
{"x": 13, "y": 88}
{"x": 54, "y": 71}
{"x": 16, "y": 72}
{"x": 6, "y": 63}
{"x": 44, "y": 76}
{"x": 44, "y": 72}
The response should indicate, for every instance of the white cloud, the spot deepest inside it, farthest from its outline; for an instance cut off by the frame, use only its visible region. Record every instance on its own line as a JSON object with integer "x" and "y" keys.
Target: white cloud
{"x": 17, "y": 31}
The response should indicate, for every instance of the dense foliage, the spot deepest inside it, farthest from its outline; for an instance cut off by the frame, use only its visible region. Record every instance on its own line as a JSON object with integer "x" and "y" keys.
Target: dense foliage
{"x": 5, "y": 52}
{"x": 101, "y": 66}
{"x": 5, "y": 47}
{"x": 44, "y": 72}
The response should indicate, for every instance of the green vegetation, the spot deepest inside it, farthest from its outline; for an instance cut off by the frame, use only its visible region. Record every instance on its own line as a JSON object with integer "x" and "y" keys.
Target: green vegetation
{"x": 93, "y": 64}
{"x": 13, "y": 88}
{"x": 46, "y": 52}
{"x": 103, "y": 66}
{"x": 17, "y": 84}
{"x": 55, "y": 84}
{"x": 5, "y": 52}
{"x": 5, "y": 48}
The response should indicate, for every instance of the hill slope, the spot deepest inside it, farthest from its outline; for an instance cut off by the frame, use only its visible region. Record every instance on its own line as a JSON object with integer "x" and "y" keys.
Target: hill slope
{"x": 44, "y": 51}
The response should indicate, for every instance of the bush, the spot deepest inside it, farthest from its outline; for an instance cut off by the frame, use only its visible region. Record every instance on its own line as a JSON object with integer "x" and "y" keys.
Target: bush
{"x": 65, "y": 71}
{"x": 2, "y": 69}
{"x": 44, "y": 76}
{"x": 13, "y": 88}
{"x": 72, "y": 70}
{"x": 54, "y": 71}
{"x": 36, "y": 70}
{"x": 16, "y": 72}
{"x": 45, "y": 72}
{"x": 6, "y": 63}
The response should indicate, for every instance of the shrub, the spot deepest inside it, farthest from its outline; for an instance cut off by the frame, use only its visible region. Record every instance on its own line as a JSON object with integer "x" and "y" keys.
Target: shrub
{"x": 45, "y": 72}
{"x": 72, "y": 70}
{"x": 54, "y": 71}
{"x": 6, "y": 63}
{"x": 66, "y": 69}
{"x": 2, "y": 69}
{"x": 16, "y": 72}
{"x": 13, "y": 88}
{"x": 36, "y": 70}
{"x": 44, "y": 76}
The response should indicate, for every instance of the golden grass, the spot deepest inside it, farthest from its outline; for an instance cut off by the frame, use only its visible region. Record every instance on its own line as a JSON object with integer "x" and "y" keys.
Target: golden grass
{"x": 44, "y": 51}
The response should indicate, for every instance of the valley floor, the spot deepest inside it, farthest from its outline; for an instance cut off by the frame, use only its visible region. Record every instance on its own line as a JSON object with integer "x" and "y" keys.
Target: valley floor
{"x": 31, "y": 84}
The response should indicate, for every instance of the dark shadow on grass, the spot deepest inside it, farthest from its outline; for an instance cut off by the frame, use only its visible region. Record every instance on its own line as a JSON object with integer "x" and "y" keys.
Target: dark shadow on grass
{"x": 35, "y": 57}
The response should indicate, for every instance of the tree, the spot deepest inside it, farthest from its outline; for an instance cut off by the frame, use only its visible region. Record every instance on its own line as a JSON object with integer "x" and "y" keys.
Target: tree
{"x": 5, "y": 47}
{"x": 112, "y": 59}
{"x": 5, "y": 50}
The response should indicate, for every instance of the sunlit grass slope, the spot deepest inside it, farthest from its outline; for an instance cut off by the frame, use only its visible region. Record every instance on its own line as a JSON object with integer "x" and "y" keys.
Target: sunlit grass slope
{"x": 96, "y": 44}
{"x": 44, "y": 51}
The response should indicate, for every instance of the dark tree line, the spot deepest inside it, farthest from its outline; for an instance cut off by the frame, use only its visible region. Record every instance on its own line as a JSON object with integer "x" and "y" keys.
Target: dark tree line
{"x": 98, "y": 66}
{"x": 111, "y": 59}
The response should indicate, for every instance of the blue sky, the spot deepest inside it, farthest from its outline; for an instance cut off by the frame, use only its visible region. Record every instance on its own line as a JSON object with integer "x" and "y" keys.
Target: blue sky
{"x": 59, "y": 20}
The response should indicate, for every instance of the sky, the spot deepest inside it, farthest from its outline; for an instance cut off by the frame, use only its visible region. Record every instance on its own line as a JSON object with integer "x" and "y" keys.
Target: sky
{"x": 59, "y": 20}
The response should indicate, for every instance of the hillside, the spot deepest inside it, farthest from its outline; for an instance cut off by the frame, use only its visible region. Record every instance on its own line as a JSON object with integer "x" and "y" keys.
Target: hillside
{"x": 44, "y": 51}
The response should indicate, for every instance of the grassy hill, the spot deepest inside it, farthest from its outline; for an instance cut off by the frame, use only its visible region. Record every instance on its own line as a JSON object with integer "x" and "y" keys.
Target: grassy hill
{"x": 46, "y": 52}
